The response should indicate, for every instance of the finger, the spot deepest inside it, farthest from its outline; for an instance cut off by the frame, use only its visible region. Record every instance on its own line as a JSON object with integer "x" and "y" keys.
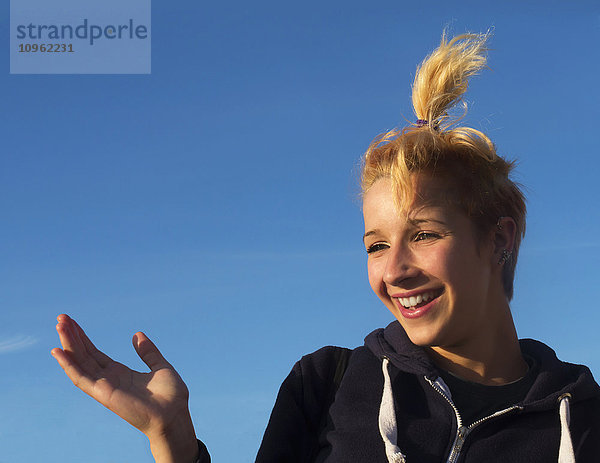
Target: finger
{"x": 70, "y": 342}
{"x": 148, "y": 352}
{"x": 102, "y": 359}
{"x": 73, "y": 345}
{"x": 73, "y": 371}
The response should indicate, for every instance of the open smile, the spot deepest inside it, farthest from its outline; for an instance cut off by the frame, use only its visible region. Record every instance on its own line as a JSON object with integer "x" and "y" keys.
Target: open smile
{"x": 416, "y": 303}
{"x": 416, "y": 300}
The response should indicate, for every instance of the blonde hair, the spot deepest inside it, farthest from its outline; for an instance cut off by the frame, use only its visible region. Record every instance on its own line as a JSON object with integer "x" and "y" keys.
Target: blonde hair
{"x": 435, "y": 145}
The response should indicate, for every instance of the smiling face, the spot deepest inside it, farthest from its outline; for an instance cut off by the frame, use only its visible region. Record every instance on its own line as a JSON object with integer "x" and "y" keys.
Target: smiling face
{"x": 428, "y": 267}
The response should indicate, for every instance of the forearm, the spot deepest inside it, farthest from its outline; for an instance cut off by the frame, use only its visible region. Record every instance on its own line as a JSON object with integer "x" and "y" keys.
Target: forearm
{"x": 177, "y": 444}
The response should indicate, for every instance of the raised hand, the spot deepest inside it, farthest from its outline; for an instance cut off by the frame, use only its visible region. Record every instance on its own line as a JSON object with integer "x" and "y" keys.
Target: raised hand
{"x": 156, "y": 402}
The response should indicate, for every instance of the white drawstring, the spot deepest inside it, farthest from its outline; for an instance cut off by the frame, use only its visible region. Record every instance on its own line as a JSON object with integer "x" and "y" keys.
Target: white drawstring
{"x": 387, "y": 419}
{"x": 565, "y": 451}
{"x": 389, "y": 430}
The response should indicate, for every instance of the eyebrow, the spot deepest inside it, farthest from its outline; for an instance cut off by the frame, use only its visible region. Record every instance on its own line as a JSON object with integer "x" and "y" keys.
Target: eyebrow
{"x": 420, "y": 221}
{"x": 369, "y": 233}
{"x": 413, "y": 222}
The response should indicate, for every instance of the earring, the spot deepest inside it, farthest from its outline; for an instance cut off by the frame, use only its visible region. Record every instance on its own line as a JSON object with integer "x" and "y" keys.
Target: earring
{"x": 506, "y": 255}
{"x": 498, "y": 224}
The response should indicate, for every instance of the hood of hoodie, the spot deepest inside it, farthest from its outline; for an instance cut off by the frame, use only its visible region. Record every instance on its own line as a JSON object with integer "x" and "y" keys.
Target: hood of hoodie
{"x": 554, "y": 379}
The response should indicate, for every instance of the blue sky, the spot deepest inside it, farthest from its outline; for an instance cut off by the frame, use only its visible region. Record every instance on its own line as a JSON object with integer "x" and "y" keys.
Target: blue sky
{"x": 213, "y": 203}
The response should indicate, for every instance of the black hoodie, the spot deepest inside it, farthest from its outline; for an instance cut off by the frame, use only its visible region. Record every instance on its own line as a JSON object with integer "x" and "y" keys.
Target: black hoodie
{"x": 309, "y": 424}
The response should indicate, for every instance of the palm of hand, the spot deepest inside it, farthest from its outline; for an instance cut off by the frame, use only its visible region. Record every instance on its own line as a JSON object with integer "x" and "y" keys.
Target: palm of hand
{"x": 148, "y": 401}
{"x": 144, "y": 400}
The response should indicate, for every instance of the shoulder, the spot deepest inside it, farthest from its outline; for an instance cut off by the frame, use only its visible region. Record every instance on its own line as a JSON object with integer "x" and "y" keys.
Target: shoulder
{"x": 322, "y": 364}
{"x": 319, "y": 372}
{"x": 325, "y": 361}
{"x": 554, "y": 380}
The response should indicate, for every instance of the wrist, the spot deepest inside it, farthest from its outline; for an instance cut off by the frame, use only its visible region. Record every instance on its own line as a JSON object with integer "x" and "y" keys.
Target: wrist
{"x": 175, "y": 444}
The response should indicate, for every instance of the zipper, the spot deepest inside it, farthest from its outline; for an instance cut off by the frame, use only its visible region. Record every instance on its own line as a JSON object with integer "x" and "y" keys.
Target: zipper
{"x": 463, "y": 431}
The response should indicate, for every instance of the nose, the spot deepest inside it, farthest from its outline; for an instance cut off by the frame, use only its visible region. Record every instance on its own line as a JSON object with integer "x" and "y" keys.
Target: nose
{"x": 399, "y": 266}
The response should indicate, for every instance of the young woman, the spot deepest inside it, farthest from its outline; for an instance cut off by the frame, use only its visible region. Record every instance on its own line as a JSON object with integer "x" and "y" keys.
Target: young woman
{"x": 448, "y": 380}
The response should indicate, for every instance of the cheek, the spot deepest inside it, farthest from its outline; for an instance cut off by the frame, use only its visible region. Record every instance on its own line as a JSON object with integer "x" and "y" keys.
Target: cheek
{"x": 375, "y": 270}
{"x": 445, "y": 262}
{"x": 464, "y": 272}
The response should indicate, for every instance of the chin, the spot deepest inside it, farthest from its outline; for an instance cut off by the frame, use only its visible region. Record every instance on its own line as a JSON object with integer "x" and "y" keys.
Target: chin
{"x": 422, "y": 341}
{"x": 422, "y": 337}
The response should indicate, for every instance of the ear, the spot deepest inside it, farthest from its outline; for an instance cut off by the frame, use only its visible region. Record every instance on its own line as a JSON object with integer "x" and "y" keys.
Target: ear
{"x": 503, "y": 237}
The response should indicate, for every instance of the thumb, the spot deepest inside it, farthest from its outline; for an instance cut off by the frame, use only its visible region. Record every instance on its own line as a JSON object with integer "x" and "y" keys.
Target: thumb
{"x": 148, "y": 352}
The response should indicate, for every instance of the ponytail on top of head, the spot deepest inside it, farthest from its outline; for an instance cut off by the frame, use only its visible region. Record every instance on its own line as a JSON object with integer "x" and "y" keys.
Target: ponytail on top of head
{"x": 443, "y": 77}
{"x": 436, "y": 145}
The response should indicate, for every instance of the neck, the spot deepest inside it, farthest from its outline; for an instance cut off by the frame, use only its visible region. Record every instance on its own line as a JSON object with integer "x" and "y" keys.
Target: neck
{"x": 492, "y": 358}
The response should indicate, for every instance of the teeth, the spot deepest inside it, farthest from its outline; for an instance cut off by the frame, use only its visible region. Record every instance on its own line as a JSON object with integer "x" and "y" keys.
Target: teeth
{"x": 412, "y": 301}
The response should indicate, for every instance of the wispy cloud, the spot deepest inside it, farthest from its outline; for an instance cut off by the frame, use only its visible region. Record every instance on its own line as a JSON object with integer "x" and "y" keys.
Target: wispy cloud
{"x": 16, "y": 343}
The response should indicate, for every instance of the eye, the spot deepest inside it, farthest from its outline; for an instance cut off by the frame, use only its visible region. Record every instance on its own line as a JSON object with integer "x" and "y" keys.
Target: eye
{"x": 376, "y": 247}
{"x": 422, "y": 236}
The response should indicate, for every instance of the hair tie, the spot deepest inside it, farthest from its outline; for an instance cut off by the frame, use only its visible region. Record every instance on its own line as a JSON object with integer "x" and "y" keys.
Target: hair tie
{"x": 425, "y": 123}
